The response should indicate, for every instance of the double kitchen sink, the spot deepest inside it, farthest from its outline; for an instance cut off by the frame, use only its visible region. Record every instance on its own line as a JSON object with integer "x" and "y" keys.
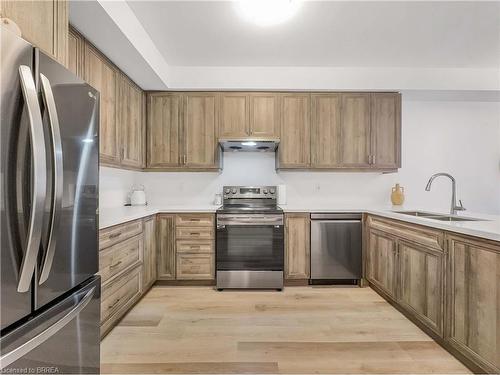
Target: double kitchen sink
{"x": 440, "y": 217}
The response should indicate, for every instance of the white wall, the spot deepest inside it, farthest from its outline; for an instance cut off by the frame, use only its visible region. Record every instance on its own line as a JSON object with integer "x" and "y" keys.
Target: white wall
{"x": 115, "y": 185}
{"x": 462, "y": 138}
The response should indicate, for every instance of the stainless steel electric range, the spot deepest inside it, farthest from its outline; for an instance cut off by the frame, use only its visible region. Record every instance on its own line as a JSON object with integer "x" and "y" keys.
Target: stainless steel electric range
{"x": 250, "y": 239}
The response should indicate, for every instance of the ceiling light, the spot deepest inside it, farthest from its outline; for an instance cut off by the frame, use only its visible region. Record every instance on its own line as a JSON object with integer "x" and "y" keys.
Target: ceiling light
{"x": 251, "y": 143}
{"x": 267, "y": 12}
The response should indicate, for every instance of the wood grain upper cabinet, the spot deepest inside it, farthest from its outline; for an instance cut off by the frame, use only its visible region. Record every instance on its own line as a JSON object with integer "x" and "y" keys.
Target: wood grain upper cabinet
{"x": 421, "y": 275}
{"x": 166, "y": 247}
{"x": 164, "y": 123}
{"x": 234, "y": 115}
{"x": 386, "y": 130}
{"x": 264, "y": 115}
{"x": 325, "y": 130}
{"x": 473, "y": 292}
{"x": 149, "y": 258}
{"x": 355, "y": 142}
{"x": 130, "y": 115}
{"x": 76, "y": 53}
{"x": 42, "y": 22}
{"x": 103, "y": 76}
{"x": 297, "y": 246}
{"x": 294, "y": 148}
{"x": 381, "y": 261}
{"x": 200, "y": 130}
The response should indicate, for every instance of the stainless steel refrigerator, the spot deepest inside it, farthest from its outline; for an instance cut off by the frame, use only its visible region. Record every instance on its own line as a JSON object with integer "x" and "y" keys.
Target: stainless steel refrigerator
{"x": 49, "y": 291}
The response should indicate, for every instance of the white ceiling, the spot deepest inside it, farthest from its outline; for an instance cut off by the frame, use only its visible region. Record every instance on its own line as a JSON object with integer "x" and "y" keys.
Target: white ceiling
{"x": 327, "y": 33}
{"x": 327, "y": 45}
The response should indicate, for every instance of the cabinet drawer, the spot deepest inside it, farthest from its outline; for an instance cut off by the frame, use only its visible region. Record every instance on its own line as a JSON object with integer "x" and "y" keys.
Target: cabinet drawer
{"x": 119, "y": 295}
{"x": 195, "y": 266}
{"x": 194, "y": 233}
{"x": 112, "y": 235}
{"x": 198, "y": 247}
{"x": 119, "y": 257}
{"x": 194, "y": 220}
{"x": 428, "y": 237}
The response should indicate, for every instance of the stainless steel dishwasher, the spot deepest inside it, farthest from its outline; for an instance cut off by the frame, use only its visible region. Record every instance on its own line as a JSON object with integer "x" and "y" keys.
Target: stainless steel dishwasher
{"x": 336, "y": 240}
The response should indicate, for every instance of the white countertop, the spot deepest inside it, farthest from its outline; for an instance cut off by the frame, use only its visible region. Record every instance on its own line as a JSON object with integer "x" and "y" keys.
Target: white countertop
{"x": 113, "y": 216}
{"x": 488, "y": 228}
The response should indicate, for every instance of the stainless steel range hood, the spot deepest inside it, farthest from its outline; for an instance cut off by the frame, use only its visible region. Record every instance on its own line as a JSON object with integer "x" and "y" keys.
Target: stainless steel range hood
{"x": 249, "y": 145}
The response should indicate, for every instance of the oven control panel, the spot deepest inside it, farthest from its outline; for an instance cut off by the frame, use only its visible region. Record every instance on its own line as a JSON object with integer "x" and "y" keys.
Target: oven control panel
{"x": 250, "y": 192}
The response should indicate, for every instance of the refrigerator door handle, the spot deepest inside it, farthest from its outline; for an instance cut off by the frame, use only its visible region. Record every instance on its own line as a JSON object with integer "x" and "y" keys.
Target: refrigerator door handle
{"x": 57, "y": 191}
{"x": 39, "y": 178}
{"x": 43, "y": 336}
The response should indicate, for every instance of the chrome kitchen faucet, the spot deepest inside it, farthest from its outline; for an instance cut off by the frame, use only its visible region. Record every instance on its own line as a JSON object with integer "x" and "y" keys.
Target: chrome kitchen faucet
{"x": 454, "y": 208}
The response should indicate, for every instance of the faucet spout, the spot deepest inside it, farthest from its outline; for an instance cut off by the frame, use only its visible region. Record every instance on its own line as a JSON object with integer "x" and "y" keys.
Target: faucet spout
{"x": 454, "y": 208}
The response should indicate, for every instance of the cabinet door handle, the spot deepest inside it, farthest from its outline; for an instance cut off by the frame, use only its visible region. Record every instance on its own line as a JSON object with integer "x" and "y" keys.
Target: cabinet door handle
{"x": 116, "y": 264}
{"x": 114, "y": 303}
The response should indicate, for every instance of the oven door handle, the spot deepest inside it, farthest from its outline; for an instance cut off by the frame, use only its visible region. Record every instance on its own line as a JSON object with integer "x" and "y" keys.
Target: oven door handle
{"x": 247, "y": 221}
{"x": 273, "y": 224}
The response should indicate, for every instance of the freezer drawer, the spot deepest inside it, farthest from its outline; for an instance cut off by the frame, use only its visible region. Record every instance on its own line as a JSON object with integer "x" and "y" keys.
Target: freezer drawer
{"x": 336, "y": 249}
{"x": 62, "y": 339}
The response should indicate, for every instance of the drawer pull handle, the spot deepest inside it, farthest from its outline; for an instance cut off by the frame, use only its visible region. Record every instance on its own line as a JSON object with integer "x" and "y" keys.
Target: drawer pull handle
{"x": 114, "y": 303}
{"x": 193, "y": 219}
{"x": 194, "y": 233}
{"x": 116, "y": 264}
{"x": 115, "y": 235}
{"x": 195, "y": 246}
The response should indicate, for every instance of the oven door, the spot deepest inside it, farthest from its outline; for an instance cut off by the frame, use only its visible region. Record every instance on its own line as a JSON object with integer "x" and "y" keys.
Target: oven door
{"x": 252, "y": 242}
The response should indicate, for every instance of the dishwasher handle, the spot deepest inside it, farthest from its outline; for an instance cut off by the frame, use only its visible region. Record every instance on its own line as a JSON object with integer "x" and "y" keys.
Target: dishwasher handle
{"x": 354, "y": 221}
{"x": 337, "y": 216}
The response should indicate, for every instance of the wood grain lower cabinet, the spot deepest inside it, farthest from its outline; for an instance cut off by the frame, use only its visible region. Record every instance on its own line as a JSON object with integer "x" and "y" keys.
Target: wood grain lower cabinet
{"x": 473, "y": 299}
{"x": 43, "y": 23}
{"x": 118, "y": 297}
{"x": 381, "y": 261}
{"x": 195, "y": 266}
{"x": 149, "y": 257}
{"x": 166, "y": 246}
{"x": 195, "y": 245}
{"x": 421, "y": 280}
{"x": 406, "y": 262}
{"x": 448, "y": 283}
{"x": 119, "y": 257}
{"x": 297, "y": 246}
{"x": 120, "y": 266}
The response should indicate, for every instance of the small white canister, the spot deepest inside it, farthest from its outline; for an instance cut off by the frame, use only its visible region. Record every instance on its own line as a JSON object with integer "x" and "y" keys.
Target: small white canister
{"x": 138, "y": 196}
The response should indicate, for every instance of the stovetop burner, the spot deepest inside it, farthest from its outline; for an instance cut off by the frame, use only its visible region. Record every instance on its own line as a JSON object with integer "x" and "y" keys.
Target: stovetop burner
{"x": 249, "y": 199}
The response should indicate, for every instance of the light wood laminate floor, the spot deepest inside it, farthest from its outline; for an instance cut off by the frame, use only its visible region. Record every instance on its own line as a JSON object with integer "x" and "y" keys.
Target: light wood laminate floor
{"x": 300, "y": 330}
